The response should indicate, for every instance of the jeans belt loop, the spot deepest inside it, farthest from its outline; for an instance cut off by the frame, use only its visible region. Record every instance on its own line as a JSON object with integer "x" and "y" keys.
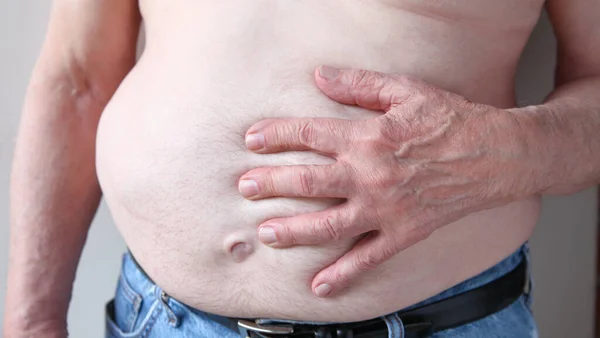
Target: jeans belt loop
{"x": 247, "y": 326}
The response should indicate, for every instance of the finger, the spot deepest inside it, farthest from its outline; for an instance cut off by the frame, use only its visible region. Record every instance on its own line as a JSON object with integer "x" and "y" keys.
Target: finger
{"x": 335, "y": 223}
{"x": 323, "y": 135}
{"x": 296, "y": 181}
{"x": 367, "y": 89}
{"x": 366, "y": 255}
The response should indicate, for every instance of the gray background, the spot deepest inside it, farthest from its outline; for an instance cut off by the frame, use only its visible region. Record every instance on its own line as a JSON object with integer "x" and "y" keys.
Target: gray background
{"x": 564, "y": 244}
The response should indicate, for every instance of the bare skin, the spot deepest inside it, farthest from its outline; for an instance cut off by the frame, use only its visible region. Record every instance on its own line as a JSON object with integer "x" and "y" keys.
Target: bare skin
{"x": 170, "y": 147}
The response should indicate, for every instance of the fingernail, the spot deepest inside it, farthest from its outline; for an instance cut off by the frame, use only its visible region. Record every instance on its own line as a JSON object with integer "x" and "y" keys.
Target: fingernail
{"x": 267, "y": 235}
{"x": 255, "y": 141}
{"x": 248, "y": 188}
{"x": 329, "y": 73}
{"x": 323, "y": 290}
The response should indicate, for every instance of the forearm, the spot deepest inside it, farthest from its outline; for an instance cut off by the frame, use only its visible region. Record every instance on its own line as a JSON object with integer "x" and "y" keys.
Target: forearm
{"x": 565, "y": 137}
{"x": 54, "y": 196}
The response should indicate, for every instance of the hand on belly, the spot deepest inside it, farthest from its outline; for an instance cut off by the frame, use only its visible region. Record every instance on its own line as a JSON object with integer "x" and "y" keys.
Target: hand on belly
{"x": 432, "y": 158}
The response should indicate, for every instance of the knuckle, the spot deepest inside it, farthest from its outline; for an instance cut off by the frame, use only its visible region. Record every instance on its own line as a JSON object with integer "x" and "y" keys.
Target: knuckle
{"x": 388, "y": 250}
{"x": 341, "y": 278}
{"x": 289, "y": 236}
{"x": 306, "y": 133}
{"x": 326, "y": 225}
{"x": 277, "y": 134}
{"x": 388, "y": 93}
{"x": 363, "y": 78}
{"x": 307, "y": 182}
{"x": 366, "y": 262}
{"x": 268, "y": 181}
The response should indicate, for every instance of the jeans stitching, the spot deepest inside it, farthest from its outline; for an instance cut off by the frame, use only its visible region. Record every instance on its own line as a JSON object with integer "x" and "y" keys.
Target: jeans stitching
{"x": 127, "y": 290}
{"x": 150, "y": 324}
{"x": 133, "y": 297}
{"x": 131, "y": 293}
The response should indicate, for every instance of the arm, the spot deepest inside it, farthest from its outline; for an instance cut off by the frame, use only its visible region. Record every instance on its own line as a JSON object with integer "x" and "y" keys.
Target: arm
{"x": 566, "y": 128}
{"x": 89, "y": 48}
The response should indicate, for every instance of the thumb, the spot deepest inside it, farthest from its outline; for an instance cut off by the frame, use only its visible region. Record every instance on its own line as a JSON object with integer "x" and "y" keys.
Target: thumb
{"x": 367, "y": 89}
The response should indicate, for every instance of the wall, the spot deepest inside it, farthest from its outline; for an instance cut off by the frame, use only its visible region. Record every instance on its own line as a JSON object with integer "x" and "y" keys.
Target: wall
{"x": 563, "y": 244}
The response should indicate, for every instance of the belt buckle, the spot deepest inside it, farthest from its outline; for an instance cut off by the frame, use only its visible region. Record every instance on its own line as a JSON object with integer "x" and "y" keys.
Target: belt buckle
{"x": 247, "y": 325}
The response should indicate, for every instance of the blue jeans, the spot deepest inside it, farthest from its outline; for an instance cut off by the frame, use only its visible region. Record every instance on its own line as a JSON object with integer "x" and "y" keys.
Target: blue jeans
{"x": 140, "y": 309}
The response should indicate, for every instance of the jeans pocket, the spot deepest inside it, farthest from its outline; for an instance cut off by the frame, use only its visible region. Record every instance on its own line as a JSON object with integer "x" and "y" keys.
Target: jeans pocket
{"x": 143, "y": 329}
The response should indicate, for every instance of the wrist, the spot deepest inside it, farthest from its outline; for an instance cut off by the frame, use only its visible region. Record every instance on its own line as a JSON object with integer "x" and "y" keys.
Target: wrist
{"x": 541, "y": 150}
{"x": 49, "y": 328}
{"x": 35, "y": 333}
{"x": 11, "y": 332}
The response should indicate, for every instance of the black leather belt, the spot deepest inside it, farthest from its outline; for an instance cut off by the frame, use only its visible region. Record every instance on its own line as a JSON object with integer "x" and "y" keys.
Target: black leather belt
{"x": 420, "y": 322}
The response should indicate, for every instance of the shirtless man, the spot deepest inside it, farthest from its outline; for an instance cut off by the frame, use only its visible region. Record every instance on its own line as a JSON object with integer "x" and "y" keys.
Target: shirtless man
{"x": 409, "y": 183}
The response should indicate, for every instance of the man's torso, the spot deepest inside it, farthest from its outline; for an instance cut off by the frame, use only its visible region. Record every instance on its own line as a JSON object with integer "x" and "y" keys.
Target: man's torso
{"x": 171, "y": 143}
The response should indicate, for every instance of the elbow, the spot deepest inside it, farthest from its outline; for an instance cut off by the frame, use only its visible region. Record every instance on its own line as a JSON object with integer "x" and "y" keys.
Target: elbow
{"x": 70, "y": 87}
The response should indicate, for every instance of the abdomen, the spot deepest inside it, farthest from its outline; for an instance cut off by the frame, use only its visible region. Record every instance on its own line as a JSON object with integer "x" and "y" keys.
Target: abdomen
{"x": 170, "y": 151}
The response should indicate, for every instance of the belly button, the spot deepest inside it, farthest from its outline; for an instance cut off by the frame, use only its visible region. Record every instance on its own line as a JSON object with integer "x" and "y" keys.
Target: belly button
{"x": 238, "y": 249}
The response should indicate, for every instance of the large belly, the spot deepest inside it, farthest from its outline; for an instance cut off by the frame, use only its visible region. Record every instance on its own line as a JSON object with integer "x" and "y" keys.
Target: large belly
{"x": 171, "y": 151}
